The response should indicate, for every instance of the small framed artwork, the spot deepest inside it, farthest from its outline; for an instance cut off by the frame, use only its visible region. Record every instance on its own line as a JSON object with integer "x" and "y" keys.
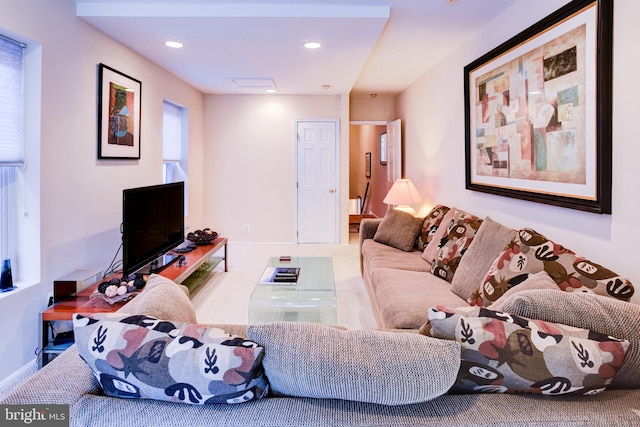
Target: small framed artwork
{"x": 118, "y": 115}
{"x": 383, "y": 148}
{"x": 538, "y": 111}
{"x": 367, "y": 165}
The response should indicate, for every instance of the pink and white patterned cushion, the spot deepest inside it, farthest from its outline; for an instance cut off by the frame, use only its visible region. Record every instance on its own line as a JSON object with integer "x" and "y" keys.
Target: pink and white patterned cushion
{"x": 140, "y": 357}
{"x": 430, "y": 226}
{"x": 531, "y": 252}
{"x": 458, "y": 236}
{"x": 505, "y": 353}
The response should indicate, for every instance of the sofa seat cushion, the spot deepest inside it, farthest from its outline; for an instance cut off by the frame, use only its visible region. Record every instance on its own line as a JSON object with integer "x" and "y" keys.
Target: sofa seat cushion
{"x": 378, "y": 255}
{"x": 141, "y": 357}
{"x": 389, "y": 368}
{"x": 403, "y": 297}
{"x": 505, "y": 353}
{"x": 602, "y": 314}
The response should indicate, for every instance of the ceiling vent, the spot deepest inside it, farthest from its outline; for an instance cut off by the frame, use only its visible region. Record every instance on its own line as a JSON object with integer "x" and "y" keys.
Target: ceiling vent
{"x": 254, "y": 83}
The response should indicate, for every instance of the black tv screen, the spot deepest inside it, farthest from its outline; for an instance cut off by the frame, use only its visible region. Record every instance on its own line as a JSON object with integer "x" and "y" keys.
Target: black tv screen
{"x": 152, "y": 223}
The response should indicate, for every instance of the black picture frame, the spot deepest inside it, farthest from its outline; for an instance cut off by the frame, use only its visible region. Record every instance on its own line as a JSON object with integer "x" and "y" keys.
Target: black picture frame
{"x": 367, "y": 165}
{"x": 119, "y": 114}
{"x": 521, "y": 154}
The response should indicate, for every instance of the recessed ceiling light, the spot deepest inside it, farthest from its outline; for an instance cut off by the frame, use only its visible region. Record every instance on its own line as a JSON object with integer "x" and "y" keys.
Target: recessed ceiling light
{"x": 270, "y": 91}
{"x": 313, "y": 45}
{"x": 175, "y": 45}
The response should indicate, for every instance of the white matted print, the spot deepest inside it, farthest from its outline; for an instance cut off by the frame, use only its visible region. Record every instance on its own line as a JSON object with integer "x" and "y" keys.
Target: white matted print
{"x": 118, "y": 115}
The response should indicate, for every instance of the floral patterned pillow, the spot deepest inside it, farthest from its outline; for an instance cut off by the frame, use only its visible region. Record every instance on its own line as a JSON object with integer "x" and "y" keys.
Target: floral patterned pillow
{"x": 531, "y": 252}
{"x": 504, "y": 353}
{"x": 141, "y": 357}
{"x": 457, "y": 238}
{"x": 431, "y": 223}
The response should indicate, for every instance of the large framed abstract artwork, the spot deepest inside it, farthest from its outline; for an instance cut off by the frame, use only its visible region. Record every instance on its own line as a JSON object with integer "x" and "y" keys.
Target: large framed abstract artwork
{"x": 538, "y": 111}
{"x": 118, "y": 115}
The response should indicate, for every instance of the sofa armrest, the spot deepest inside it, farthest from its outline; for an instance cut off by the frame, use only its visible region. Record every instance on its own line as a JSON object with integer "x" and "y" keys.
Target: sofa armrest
{"x": 64, "y": 380}
{"x": 368, "y": 228}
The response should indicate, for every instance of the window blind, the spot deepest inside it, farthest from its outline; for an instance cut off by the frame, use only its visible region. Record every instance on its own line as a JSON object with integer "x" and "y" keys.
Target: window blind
{"x": 8, "y": 227}
{"x": 171, "y": 132}
{"x": 11, "y": 141}
{"x": 11, "y": 107}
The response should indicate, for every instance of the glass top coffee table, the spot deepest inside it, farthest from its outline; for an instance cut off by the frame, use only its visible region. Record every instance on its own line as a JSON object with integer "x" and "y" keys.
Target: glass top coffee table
{"x": 311, "y": 299}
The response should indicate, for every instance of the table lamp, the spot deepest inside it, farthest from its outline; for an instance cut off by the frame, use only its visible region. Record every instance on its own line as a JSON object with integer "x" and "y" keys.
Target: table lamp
{"x": 403, "y": 194}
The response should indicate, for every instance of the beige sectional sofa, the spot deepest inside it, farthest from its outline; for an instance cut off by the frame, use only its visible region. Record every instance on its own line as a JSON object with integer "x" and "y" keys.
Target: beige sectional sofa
{"x": 421, "y": 273}
{"x": 400, "y": 284}
{"x": 397, "y": 266}
{"x": 324, "y": 376}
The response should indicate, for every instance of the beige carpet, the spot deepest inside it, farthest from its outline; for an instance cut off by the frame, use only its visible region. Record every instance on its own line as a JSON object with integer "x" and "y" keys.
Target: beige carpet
{"x": 224, "y": 298}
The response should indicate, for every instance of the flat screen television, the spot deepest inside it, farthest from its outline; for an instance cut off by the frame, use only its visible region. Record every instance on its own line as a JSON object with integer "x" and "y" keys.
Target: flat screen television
{"x": 152, "y": 225}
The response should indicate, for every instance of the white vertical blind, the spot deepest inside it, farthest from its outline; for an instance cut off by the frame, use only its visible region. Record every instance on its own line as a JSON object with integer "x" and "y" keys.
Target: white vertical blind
{"x": 8, "y": 228}
{"x": 170, "y": 132}
{"x": 11, "y": 105}
{"x": 11, "y": 140}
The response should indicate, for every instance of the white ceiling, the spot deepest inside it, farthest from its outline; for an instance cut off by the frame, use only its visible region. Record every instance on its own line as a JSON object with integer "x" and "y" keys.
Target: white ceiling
{"x": 369, "y": 46}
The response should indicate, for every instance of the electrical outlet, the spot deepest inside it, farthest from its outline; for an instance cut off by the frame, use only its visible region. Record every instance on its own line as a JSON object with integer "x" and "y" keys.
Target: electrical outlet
{"x": 246, "y": 228}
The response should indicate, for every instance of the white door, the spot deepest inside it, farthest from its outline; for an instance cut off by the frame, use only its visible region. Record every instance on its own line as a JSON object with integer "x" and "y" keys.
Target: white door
{"x": 394, "y": 151}
{"x": 317, "y": 181}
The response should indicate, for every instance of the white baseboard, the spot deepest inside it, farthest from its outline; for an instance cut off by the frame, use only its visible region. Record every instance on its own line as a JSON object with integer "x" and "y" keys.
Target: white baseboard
{"x": 17, "y": 378}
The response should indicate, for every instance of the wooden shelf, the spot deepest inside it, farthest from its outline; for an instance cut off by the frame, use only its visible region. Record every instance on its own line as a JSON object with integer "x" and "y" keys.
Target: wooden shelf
{"x": 201, "y": 275}
{"x": 82, "y": 303}
{"x": 195, "y": 259}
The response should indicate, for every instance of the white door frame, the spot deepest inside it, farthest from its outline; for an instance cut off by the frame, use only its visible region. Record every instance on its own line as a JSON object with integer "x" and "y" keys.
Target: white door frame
{"x": 336, "y": 121}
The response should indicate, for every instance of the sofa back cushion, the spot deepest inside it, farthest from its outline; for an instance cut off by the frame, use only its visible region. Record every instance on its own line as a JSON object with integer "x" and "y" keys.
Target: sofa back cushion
{"x": 489, "y": 241}
{"x": 137, "y": 356}
{"x": 535, "y": 281}
{"x": 505, "y": 353}
{"x": 164, "y": 299}
{"x": 389, "y": 368}
{"x": 531, "y": 252}
{"x": 399, "y": 229}
{"x": 595, "y": 312}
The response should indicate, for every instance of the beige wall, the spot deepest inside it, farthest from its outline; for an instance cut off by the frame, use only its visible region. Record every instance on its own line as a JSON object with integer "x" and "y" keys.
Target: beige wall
{"x": 366, "y": 108}
{"x": 434, "y": 145}
{"x": 79, "y": 208}
{"x": 250, "y": 167}
{"x": 363, "y": 139}
{"x": 241, "y": 164}
{"x": 366, "y": 114}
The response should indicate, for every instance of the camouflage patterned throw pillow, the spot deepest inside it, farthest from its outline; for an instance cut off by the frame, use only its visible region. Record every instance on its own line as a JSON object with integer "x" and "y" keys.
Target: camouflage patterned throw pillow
{"x": 140, "y": 357}
{"x": 505, "y": 353}
{"x": 431, "y": 223}
{"x": 457, "y": 238}
{"x": 531, "y": 252}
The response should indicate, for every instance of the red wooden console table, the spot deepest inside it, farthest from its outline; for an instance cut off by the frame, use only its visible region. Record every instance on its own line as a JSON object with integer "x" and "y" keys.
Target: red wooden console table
{"x": 81, "y": 303}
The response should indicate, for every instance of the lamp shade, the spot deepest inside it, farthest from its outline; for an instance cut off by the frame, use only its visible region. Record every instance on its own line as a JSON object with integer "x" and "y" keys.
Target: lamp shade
{"x": 403, "y": 192}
